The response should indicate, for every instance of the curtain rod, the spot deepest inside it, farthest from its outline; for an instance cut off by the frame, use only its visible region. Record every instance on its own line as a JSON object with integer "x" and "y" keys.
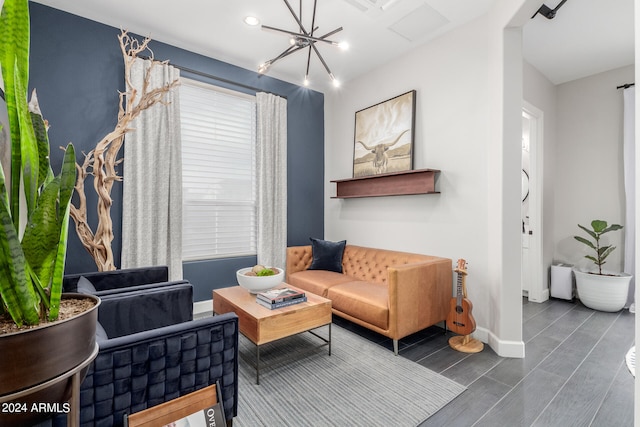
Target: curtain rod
{"x": 625, "y": 86}
{"x": 219, "y": 79}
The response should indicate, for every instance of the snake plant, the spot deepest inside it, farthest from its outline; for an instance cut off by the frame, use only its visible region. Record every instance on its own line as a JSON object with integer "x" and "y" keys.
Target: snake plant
{"x": 34, "y": 204}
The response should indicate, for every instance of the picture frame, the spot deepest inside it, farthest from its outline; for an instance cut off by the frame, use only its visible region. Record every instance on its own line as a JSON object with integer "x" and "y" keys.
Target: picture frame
{"x": 384, "y": 136}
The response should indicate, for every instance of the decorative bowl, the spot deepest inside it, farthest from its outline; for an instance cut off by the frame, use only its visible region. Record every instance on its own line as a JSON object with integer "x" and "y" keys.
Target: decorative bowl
{"x": 255, "y": 284}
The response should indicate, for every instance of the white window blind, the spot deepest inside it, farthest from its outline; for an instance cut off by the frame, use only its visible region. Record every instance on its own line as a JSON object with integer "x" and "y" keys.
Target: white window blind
{"x": 218, "y": 171}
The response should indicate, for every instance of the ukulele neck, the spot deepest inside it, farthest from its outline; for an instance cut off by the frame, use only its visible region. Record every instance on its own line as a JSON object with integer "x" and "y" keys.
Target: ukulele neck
{"x": 460, "y": 287}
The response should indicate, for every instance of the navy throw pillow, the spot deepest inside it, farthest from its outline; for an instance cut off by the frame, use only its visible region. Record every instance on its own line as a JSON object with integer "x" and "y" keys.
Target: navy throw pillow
{"x": 327, "y": 255}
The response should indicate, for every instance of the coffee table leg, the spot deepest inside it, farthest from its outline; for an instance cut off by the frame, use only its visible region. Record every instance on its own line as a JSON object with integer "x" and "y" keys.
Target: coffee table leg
{"x": 329, "y": 339}
{"x": 257, "y": 364}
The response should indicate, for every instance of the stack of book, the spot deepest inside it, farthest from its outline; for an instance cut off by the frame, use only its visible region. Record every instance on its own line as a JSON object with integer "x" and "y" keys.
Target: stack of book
{"x": 280, "y": 297}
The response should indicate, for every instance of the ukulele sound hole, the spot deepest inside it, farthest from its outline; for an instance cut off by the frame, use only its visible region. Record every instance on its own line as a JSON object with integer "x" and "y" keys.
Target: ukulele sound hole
{"x": 458, "y": 309}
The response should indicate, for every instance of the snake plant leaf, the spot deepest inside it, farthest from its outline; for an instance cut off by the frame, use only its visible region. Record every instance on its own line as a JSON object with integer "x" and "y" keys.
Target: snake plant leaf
{"x": 45, "y": 174}
{"x": 14, "y": 62}
{"x": 67, "y": 184}
{"x": 43, "y": 232}
{"x": 32, "y": 270}
{"x": 29, "y": 148}
{"x": 45, "y": 238}
{"x": 16, "y": 287}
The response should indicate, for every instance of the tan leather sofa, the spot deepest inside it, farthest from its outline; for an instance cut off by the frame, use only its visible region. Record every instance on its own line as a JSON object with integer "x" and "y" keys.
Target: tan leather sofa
{"x": 389, "y": 292}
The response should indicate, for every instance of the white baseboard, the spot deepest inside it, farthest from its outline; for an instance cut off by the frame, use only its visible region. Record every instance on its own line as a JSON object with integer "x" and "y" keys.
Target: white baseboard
{"x": 503, "y": 348}
{"x": 200, "y": 307}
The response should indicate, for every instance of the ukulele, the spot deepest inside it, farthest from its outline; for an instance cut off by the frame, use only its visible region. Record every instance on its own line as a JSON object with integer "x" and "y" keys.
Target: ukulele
{"x": 459, "y": 319}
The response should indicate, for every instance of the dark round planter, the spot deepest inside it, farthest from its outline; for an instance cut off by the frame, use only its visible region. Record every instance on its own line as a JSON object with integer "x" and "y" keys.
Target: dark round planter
{"x": 32, "y": 357}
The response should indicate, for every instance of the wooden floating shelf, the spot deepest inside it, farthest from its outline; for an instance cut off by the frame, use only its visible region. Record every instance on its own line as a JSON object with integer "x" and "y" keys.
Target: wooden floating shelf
{"x": 419, "y": 181}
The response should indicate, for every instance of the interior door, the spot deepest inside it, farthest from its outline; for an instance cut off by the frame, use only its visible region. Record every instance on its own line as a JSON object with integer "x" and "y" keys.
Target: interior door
{"x": 534, "y": 285}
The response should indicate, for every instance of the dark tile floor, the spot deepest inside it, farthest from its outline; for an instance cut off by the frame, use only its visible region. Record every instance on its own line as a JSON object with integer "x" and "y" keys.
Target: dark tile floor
{"x": 573, "y": 374}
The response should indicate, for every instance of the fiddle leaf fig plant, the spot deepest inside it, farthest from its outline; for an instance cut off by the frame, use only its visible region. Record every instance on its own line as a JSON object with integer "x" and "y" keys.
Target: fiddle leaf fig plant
{"x": 598, "y": 228}
{"x": 34, "y": 204}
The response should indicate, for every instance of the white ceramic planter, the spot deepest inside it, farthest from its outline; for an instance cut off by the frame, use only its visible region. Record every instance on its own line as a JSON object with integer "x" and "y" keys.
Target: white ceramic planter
{"x": 604, "y": 293}
{"x": 255, "y": 284}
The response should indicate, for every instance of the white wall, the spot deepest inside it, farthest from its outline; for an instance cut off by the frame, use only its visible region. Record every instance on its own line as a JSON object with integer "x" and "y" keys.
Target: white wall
{"x": 589, "y": 163}
{"x": 451, "y": 89}
{"x": 464, "y": 86}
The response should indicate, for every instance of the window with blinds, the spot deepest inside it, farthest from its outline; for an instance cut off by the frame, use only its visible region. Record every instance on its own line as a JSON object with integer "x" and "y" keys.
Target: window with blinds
{"x": 218, "y": 171}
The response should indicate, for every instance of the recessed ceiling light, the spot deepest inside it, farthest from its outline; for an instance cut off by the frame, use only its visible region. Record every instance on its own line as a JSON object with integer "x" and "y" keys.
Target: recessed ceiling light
{"x": 251, "y": 20}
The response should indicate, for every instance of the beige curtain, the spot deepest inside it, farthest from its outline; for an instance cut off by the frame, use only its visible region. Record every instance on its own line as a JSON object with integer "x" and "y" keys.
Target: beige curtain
{"x": 152, "y": 188}
{"x": 271, "y": 156}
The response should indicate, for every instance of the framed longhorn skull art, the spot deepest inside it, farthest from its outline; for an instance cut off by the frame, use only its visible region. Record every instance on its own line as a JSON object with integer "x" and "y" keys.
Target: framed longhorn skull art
{"x": 384, "y": 134}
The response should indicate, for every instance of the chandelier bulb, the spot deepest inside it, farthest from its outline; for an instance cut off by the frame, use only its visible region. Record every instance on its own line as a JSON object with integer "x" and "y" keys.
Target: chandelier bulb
{"x": 262, "y": 68}
{"x": 306, "y": 80}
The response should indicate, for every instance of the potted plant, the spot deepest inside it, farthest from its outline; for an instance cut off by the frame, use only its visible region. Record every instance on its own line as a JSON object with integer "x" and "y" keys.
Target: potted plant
{"x": 36, "y": 345}
{"x": 601, "y": 290}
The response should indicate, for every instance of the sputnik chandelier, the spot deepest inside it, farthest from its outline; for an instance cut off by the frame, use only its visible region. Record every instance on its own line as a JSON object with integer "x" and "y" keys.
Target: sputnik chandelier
{"x": 304, "y": 39}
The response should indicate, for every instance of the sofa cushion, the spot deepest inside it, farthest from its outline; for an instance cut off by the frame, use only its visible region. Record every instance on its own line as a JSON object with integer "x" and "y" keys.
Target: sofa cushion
{"x": 327, "y": 255}
{"x": 317, "y": 281}
{"x": 367, "y": 301}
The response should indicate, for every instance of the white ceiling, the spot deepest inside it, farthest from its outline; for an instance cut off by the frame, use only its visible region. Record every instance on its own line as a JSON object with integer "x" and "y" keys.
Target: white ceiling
{"x": 585, "y": 37}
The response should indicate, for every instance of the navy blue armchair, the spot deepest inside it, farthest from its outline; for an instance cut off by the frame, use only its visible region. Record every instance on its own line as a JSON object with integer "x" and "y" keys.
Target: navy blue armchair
{"x": 151, "y": 351}
{"x": 138, "y": 371}
{"x": 154, "y": 352}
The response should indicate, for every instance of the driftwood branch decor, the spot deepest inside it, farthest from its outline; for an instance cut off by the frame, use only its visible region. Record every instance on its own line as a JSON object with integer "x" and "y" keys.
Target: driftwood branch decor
{"x": 101, "y": 162}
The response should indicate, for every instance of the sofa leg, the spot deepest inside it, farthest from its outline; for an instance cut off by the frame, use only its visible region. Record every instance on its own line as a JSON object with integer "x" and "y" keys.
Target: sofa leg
{"x": 395, "y": 347}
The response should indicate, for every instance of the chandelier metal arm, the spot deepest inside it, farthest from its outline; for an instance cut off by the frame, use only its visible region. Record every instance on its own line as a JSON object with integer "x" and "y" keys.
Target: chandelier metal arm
{"x": 305, "y": 35}
{"x": 313, "y": 17}
{"x": 288, "y": 51}
{"x": 295, "y": 16}
{"x": 293, "y": 49}
{"x": 303, "y": 39}
{"x": 326, "y": 67}
{"x": 306, "y": 73}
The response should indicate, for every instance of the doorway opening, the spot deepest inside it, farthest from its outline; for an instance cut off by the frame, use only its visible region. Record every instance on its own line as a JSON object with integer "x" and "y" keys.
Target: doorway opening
{"x": 532, "y": 278}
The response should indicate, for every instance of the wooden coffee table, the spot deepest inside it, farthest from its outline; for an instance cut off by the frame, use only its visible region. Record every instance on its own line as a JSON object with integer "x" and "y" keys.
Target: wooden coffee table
{"x": 262, "y": 325}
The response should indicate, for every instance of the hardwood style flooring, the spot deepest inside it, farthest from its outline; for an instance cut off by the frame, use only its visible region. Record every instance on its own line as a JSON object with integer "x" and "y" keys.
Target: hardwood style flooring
{"x": 574, "y": 372}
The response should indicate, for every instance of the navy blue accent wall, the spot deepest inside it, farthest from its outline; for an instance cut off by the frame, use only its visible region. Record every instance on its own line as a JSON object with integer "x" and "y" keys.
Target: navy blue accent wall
{"x": 77, "y": 69}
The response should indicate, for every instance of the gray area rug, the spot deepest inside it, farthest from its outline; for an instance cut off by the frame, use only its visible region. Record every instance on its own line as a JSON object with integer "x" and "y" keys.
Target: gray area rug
{"x": 360, "y": 384}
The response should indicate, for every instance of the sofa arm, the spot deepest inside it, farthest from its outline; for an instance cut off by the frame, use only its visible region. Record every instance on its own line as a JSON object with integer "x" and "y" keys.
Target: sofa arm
{"x": 298, "y": 259}
{"x": 138, "y": 371}
{"x": 127, "y": 313}
{"x": 419, "y": 294}
{"x": 118, "y": 278}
